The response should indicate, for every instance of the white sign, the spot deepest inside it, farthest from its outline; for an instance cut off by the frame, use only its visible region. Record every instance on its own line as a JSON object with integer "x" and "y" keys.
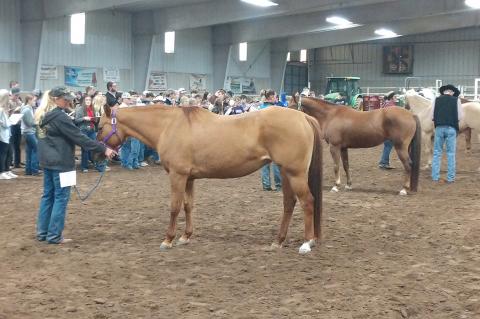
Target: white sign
{"x": 68, "y": 179}
{"x": 111, "y": 74}
{"x": 48, "y": 72}
{"x": 240, "y": 85}
{"x": 157, "y": 81}
{"x": 198, "y": 82}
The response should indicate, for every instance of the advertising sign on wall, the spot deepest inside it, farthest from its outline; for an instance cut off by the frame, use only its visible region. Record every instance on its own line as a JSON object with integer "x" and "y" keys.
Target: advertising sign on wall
{"x": 80, "y": 76}
{"x": 198, "y": 82}
{"x": 157, "y": 81}
{"x": 111, "y": 74}
{"x": 240, "y": 85}
{"x": 48, "y": 72}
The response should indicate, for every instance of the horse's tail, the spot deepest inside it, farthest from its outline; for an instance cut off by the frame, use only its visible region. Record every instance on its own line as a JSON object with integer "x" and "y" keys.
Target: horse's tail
{"x": 315, "y": 176}
{"x": 415, "y": 151}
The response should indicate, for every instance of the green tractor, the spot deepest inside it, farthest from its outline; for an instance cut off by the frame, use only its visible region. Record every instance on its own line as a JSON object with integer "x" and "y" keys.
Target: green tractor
{"x": 344, "y": 90}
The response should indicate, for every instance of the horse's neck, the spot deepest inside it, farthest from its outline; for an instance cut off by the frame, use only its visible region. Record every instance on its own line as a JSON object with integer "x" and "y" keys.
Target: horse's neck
{"x": 317, "y": 110}
{"x": 145, "y": 124}
{"x": 419, "y": 105}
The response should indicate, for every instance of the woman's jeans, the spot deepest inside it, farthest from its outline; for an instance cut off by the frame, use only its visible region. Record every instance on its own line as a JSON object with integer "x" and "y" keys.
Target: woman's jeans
{"x": 31, "y": 162}
{"x": 53, "y": 208}
{"x": 387, "y": 148}
{"x": 444, "y": 135}
{"x": 4, "y": 163}
{"x": 266, "y": 176}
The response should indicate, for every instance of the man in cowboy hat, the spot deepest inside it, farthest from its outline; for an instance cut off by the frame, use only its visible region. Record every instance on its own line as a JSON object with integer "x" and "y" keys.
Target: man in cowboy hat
{"x": 446, "y": 113}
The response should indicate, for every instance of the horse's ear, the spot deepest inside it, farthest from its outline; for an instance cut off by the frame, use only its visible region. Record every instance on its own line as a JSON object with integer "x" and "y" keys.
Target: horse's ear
{"x": 107, "y": 110}
{"x": 294, "y": 97}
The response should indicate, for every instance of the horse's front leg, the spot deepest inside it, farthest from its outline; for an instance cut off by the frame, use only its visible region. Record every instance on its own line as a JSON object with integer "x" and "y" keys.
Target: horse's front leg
{"x": 335, "y": 151}
{"x": 177, "y": 191}
{"x": 346, "y": 167}
{"x": 188, "y": 206}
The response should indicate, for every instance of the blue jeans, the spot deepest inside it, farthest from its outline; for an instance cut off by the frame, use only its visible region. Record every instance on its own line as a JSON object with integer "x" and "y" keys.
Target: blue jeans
{"x": 134, "y": 153}
{"x": 444, "y": 135}
{"x": 125, "y": 152}
{"x": 266, "y": 176}
{"x": 31, "y": 162}
{"x": 87, "y": 156}
{"x": 53, "y": 208}
{"x": 141, "y": 151}
{"x": 387, "y": 148}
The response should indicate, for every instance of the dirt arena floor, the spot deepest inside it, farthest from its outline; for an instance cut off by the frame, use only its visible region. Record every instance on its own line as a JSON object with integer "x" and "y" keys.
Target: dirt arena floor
{"x": 383, "y": 256}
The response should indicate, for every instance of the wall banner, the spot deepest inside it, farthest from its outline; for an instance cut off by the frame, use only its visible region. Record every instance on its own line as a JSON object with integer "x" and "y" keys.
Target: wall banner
{"x": 111, "y": 74}
{"x": 80, "y": 76}
{"x": 198, "y": 82}
{"x": 157, "y": 81}
{"x": 48, "y": 72}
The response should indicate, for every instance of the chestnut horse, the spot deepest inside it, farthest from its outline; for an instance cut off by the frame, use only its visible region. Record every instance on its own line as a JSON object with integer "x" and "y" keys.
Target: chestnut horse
{"x": 194, "y": 143}
{"x": 344, "y": 128}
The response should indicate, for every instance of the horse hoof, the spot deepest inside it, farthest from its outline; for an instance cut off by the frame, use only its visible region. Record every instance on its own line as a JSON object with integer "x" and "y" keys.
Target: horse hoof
{"x": 183, "y": 241}
{"x": 305, "y": 248}
{"x": 403, "y": 192}
{"x": 165, "y": 246}
{"x": 334, "y": 189}
{"x": 348, "y": 187}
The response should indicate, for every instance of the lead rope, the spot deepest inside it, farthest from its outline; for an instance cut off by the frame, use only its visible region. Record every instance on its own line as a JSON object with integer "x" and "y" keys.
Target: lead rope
{"x": 84, "y": 198}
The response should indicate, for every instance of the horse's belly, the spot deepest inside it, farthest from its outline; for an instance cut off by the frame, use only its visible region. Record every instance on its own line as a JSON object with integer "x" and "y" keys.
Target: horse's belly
{"x": 228, "y": 170}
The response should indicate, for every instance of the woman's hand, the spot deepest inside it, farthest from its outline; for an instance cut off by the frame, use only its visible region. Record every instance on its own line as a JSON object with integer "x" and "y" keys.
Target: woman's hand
{"x": 110, "y": 153}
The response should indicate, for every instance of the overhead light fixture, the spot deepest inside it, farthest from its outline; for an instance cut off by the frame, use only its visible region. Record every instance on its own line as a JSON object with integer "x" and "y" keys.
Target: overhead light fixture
{"x": 386, "y": 33}
{"x": 338, "y": 20}
{"x": 473, "y": 3}
{"x": 261, "y": 3}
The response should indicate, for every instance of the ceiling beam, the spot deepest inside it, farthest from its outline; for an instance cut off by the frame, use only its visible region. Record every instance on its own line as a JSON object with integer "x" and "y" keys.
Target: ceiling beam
{"x": 365, "y": 15}
{"x": 59, "y": 8}
{"x": 366, "y": 33}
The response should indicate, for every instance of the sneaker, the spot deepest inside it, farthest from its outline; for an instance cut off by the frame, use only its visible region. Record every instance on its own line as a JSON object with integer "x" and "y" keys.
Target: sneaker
{"x": 84, "y": 170}
{"x": 143, "y": 164}
{"x": 65, "y": 241}
{"x": 10, "y": 173}
{"x": 385, "y": 166}
{"x": 107, "y": 169}
{"x": 4, "y": 175}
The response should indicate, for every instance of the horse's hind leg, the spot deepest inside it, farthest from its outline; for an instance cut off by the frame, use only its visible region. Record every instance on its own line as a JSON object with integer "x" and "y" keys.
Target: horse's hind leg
{"x": 299, "y": 185}
{"x": 346, "y": 167}
{"x": 335, "y": 151}
{"x": 402, "y": 152}
{"x": 188, "y": 206}
{"x": 468, "y": 139}
{"x": 289, "y": 201}
{"x": 177, "y": 189}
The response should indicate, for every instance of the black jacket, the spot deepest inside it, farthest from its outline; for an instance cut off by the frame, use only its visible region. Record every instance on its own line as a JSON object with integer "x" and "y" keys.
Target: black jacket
{"x": 57, "y": 137}
{"x": 112, "y": 98}
{"x": 446, "y": 112}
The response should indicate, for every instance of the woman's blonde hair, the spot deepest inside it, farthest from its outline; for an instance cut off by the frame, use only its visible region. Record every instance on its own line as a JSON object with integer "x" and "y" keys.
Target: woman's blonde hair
{"x": 46, "y": 105}
{"x": 4, "y": 100}
{"x": 98, "y": 102}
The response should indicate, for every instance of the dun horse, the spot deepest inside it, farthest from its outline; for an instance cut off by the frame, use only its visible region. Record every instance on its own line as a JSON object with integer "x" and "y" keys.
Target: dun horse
{"x": 345, "y": 128}
{"x": 194, "y": 143}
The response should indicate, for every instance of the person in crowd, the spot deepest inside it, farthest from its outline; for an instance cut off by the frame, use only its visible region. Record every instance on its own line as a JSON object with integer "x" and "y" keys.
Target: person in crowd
{"x": 169, "y": 97}
{"x": 238, "y": 107}
{"x": 389, "y": 101}
{"x": 16, "y": 129}
{"x": 219, "y": 101}
{"x": 86, "y": 120}
{"x": 446, "y": 113}
{"x": 90, "y": 91}
{"x": 112, "y": 95}
{"x": 5, "y": 132}
{"x": 270, "y": 100}
{"x": 181, "y": 92}
{"x": 341, "y": 99}
{"x": 184, "y": 101}
{"x": 28, "y": 132}
{"x": 130, "y": 150}
{"x": 38, "y": 94}
{"x": 98, "y": 102}
{"x": 57, "y": 137}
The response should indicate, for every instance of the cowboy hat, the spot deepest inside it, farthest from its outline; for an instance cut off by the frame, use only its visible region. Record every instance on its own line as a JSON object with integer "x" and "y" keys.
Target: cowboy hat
{"x": 456, "y": 92}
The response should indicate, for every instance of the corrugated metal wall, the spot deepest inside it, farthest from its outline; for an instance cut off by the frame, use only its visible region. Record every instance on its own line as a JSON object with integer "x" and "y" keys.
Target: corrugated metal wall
{"x": 10, "y": 35}
{"x": 108, "y": 42}
{"x": 257, "y": 65}
{"x": 452, "y": 56}
{"x": 193, "y": 54}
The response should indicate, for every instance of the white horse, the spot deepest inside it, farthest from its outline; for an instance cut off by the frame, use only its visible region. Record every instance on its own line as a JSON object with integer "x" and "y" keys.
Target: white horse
{"x": 422, "y": 107}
